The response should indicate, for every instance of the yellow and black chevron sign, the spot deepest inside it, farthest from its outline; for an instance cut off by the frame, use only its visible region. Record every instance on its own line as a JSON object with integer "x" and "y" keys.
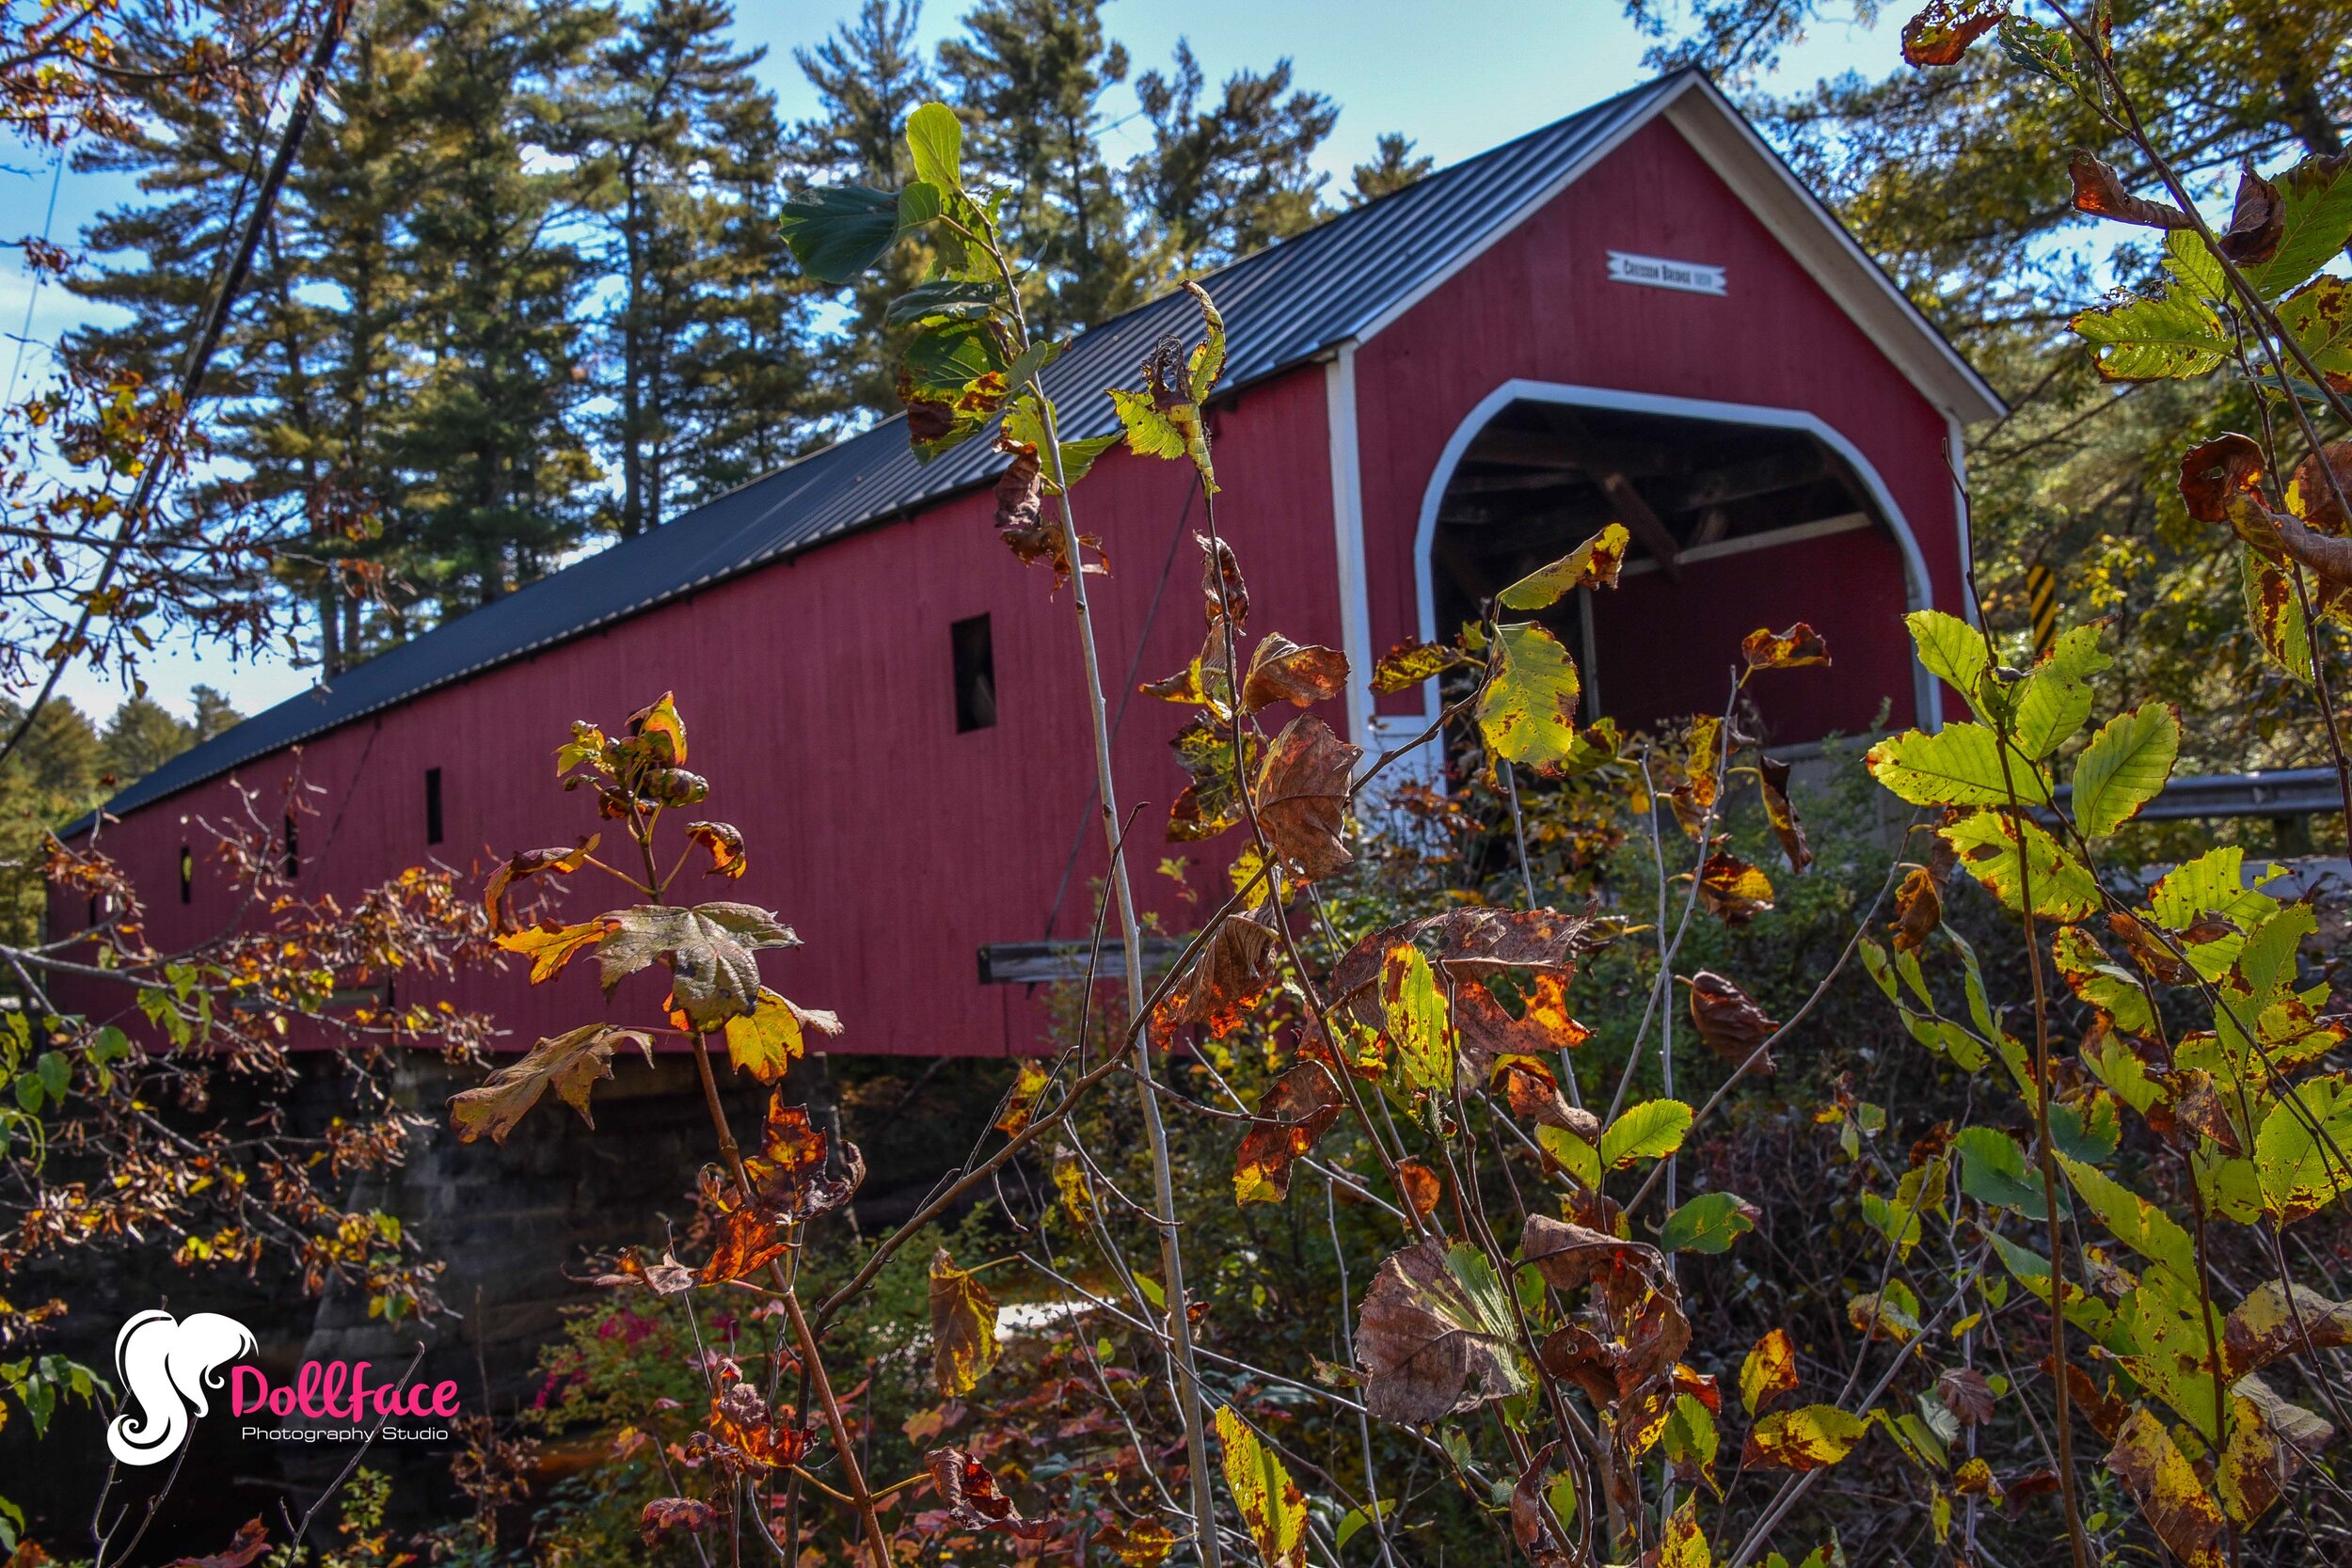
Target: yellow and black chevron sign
{"x": 2042, "y": 598}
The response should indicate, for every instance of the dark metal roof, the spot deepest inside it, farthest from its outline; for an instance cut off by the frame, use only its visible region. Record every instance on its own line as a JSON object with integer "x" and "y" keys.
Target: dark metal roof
{"x": 1282, "y": 306}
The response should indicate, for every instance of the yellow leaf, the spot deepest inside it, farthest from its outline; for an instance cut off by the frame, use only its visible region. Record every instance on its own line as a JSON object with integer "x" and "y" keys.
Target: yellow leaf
{"x": 1811, "y": 1438}
{"x": 766, "y": 1041}
{"x": 1270, "y": 1502}
{"x": 1770, "y": 1369}
{"x": 1527, "y": 711}
{"x": 963, "y": 1327}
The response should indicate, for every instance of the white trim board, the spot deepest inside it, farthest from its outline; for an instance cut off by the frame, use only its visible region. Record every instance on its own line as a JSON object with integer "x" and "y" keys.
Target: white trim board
{"x": 1347, "y": 518}
{"x": 1927, "y": 696}
{"x": 1820, "y": 528}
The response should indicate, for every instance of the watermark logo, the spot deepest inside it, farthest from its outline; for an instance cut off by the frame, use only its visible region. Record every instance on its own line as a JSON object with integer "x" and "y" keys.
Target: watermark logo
{"x": 166, "y": 1364}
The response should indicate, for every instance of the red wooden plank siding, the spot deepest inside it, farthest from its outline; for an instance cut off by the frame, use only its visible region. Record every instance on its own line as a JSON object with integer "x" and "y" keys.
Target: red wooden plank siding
{"x": 1538, "y": 305}
{"x": 817, "y": 696}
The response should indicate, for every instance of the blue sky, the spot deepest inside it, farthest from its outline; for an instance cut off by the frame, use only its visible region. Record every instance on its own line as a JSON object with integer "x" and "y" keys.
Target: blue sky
{"x": 1457, "y": 77}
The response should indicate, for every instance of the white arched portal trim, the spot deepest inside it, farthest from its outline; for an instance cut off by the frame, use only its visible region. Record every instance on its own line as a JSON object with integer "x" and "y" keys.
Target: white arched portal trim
{"x": 1391, "y": 729}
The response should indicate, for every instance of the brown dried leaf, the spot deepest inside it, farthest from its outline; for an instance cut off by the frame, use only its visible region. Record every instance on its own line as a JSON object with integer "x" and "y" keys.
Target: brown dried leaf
{"x": 1282, "y": 672}
{"x": 1539, "y": 1533}
{"x": 2257, "y": 222}
{"x": 2100, "y": 191}
{"x": 1941, "y": 33}
{"x": 1477, "y": 943}
{"x": 1423, "y": 1188}
{"x": 970, "y": 1493}
{"x": 244, "y": 1547}
{"x": 2212, "y": 472}
{"x": 1236, "y": 966}
{"x": 2270, "y": 1442}
{"x": 708, "y": 949}
{"x": 667, "y": 1515}
{"x": 1919, "y": 911}
{"x": 1436, "y": 1336}
{"x": 1296, "y": 1110}
{"x": 1302, "y": 795}
{"x": 1570, "y": 1257}
{"x": 2270, "y": 1323}
{"x": 1728, "y": 1021}
{"x": 571, "y": 1064}
{"x": 1965, "y": 1394}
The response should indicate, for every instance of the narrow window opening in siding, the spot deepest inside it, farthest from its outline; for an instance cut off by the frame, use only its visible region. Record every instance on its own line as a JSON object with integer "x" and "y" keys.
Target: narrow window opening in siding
{"x": 187, "y": 875}
{"x": 433, "y": 805}
{"x": 975, "y": 675}
{"x": 294, "y": 848}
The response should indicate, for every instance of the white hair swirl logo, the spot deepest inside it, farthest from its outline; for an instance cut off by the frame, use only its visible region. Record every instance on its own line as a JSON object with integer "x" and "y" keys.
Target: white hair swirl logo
{"x": 165, "y": 1364}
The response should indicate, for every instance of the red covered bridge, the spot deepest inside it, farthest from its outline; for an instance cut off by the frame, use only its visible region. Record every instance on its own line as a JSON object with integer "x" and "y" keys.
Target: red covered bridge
{"x": 1637, "y": 314}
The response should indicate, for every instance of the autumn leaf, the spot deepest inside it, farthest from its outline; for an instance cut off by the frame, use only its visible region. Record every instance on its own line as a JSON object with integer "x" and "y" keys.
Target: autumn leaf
{"x": 1282, "y": 672}
{"x": 1594, "y": 563}
{"x": 972, "y": 1499}
{"x": 2270, "y": 1442}
{"x": 725, "y": 843}
{"x": 1415, "y": 1011}
{"x": 1541, "y": 1506}
{"x": 1987, "y": 843}
{"x": 1421, "y": 1186}
{"x": 2100, "y": 191}
{"x": 1071, "y": 1186}
{"x": 668, "y": 1515}
{"x": 1769, "y": 1369}
{"x": 1302, "y": 795}
{"x": 1772, "y": 779}
{"x": 571, "y": 1064}
{"x": 766, "y": 1041}
{"x": 1437, "y": 1336}
{"x": 663, "y": 733}
{"x": 1236, "y": 966}
{"x": 2270, "y": 1323}
{"x": 1479, "y": 944}
{"x": 1021, "y": 1100}
{"x": 1793, "y": 649}
{"x": 1732, "y": 890}
{"x": 1296, "y": 1110}
{"x": 1942, "y": 31}
{"x": 1144, "y": 1544}
{"x": 1708, "y": 1223}
{"x": 524, "y": 864}
{"x": 550, "y": 946}
{"x": 1683, "y": 1543}
{"x": 244, "y": 1547}
{"x": 1810, "y": 1438}
{"x": 1212, "y": 801}
{"x": 707, "y": 948}
{"x": 1272, "y": 1506}
{"x": 2174, "y": 1501}
{"x": 1919, "y": 911}
{"x": 1527, "y": 710}
{"x": 2258, "y": 221}
{"x": 1413, "y": 661}
{"x": 1728, "y": 1022}
{"x": 1570, "y": 1257}
{"x": 1650, "y": 1131}
{"x": 963, "y": 1327}
{"x": 1965, "y": 1394}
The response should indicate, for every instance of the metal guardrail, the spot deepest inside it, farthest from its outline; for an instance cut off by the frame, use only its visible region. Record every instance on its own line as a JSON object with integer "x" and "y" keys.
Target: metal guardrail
{"x": 2281, "y": 792}
{"x": 1046, "y": 963}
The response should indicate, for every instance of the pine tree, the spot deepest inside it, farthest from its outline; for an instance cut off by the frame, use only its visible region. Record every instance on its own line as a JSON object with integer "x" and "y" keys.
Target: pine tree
{"x": 1030, "y": 76}
{"x": 1392, "y": 168}
{"x": 141, "y": 736}
{"x": 501, "y": 475}
{"x": 1223, "y": 181}
{"x": 664, "y": 96}
{"x": 214, "y": 713}
{"x": 869, "y": 76}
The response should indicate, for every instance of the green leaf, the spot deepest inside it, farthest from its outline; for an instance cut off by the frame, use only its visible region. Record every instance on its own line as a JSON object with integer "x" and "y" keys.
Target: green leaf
{"x": 2088, "y": 1136}
{"x": 2276, "y": 615}
{"x": 1810, "y": 1438}
{"x": 1952, "y": 650}
{"x": 1270, "y": 1501}
{"x": 1150, "y": 433}
{"x": 1708, "y": 1223}
{"x": 1959, "y": 765}
{"x": 2171, "y": 338}
{"x": 1577, "y": 1157}
{"x": 2125, "y": 767}
{"x": 1987, "y": 843}
{"x": 1416, "y": 1014}
{"x": 2319, "y": 316}
{"x": 1208, "y": 355}
{"x": 837, "y": 231}
{"x": 2137, "y": 1223}
{"x": 1992, "y": 1170}
{"x": 1357, "y": 1517}
{"x": 2056, "y": 697}
{"x": 1078, "y": 457}
{"x": 2302, "y": 1171}
{"x": 942, "y": 299}
{"x": 1527, "y": 710}
{"x": 935, "y": 138}
{"x": 2316, "y": 197}
{"x": 1592, "y": 565}
{"x": 2191, "y": 261}
{"x": 1650, "y": 1131}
